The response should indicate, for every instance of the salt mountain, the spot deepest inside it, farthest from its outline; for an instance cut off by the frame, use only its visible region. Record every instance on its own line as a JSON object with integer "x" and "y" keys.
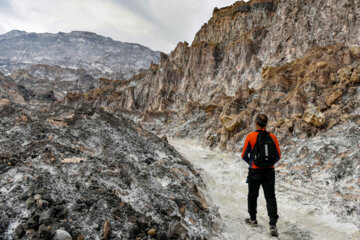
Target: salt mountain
{"x": 297, "y": 61}
{"x": 72, "y": 61}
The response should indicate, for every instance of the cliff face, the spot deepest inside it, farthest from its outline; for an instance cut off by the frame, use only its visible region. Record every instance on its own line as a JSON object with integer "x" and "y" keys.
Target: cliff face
{"x": 295, "y": 60}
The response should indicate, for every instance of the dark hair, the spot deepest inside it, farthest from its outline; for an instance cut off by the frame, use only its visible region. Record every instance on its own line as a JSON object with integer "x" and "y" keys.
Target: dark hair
{"x": 261, "y": 119}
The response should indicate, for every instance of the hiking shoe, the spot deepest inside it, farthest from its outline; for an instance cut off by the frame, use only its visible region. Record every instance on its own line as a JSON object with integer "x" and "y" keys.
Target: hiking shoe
{"x": 252, "y": 223}
{"x": 273, "y": 231}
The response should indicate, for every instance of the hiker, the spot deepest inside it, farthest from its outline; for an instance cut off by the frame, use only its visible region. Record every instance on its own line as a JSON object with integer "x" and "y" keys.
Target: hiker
{"x": 261, "y": 151}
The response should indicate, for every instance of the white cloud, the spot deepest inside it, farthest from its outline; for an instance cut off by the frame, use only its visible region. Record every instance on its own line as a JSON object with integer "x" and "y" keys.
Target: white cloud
{"x": 158, "y": 24}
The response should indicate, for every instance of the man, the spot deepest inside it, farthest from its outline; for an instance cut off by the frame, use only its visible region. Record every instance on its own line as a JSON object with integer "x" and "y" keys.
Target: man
{"x": 264, "y": 176}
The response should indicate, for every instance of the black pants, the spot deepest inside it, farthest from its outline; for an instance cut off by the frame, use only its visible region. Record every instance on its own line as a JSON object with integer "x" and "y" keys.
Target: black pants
{"x": 266, "y": 178}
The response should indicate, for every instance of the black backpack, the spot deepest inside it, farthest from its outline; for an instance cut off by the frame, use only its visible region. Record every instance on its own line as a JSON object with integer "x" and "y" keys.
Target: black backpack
{"x": 264, "y": 153}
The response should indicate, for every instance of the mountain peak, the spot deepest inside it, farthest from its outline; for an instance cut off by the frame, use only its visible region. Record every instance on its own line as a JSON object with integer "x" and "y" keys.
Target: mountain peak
{"x": 14, "y": 33}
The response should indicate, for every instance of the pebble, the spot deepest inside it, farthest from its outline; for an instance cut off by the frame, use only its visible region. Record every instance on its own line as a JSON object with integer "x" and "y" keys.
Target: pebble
{"x": 46, "y": 216}
{"x": 62, "y": 235}
{"x": 152, "y": 232}
{"x": 37, "y": 196}
{"x": 19, "y": 231}
{"x": 29, "y": 203}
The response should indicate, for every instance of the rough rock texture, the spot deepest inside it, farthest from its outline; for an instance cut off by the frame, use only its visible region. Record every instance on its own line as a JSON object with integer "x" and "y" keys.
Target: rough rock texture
{"x": 69, "y": 62}
{"x": 19, "y": 94}
{"x": 39, "y": 78}
{"x": 296, "y": 61}
{"x": 89, "y": 174}
{"x": 77, "y": 50}
{"x": 235, "y": 51}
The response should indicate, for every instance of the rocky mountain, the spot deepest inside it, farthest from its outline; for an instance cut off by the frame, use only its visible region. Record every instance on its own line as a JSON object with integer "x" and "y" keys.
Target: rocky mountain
{"x": 76, "y": 174}
{"x": 72, "y": 61}
{"x": 252, "y": 56}
{"x": 296, "y": 61}
{"x": 77, "y": 50}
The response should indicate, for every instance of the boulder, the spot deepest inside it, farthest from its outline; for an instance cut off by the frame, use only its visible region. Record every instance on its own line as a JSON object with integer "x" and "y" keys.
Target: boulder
{"x": 314, "y": 116}
{"x": 230, "y": 122}
{"x": 61, "y": 235}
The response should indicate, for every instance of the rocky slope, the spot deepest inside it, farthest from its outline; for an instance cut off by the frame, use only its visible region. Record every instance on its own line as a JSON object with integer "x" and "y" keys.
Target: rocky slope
{"x": 19, "y": 49}
{"x": 296, "y": 61}
{"x": 86, "y": 174}
{"x": 69, "y": 62}
{"x": 291, "y": 59}
{"x": 11, "y": 91}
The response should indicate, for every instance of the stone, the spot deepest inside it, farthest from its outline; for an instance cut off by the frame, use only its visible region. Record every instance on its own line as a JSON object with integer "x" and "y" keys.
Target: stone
{"x": 344, "y": 74}
{"x": 19, "y": 231}
{"x": 313, "y": 116}
{"x": 80, "y": 237}
{"x": 177, "y": 231}
{"x": 106, "y": 229}
{"x": 29, "y": 233}
{"x": 44, "y": 232}
{"x": 30, "y": 202}
{"x": 37, "y": 197}
{"x": 230, "y": 122}
{"x": 355, "y": 77}
{"x": 321, "y": 64}
{"x": 47, "y": 216}
{"x": 31, "y": 224}
{"x": 355, "y": 52}
{"x": 132, "y": 219}
{"x": 333, "y": 97}
{"x": 279, "y": 122}
{"x": 182, "y": 211}
{"x": 152, "y": 232}
{"x": 61, "y": 235}
{"x": 21, "y": 119}
{"x": 4, "y": 102}
{"x": 73, "y": 160}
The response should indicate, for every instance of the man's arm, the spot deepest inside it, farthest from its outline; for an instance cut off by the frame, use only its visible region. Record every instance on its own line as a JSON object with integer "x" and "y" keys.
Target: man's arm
{"x": 277, "y": 147}
{"x": 246, "y": 150}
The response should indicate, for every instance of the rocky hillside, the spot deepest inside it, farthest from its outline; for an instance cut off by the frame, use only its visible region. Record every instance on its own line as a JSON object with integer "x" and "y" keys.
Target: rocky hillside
{"x": 86, "y": 174}
{"x": 86, "y": 50}
{"x": 296, "y": 61}
{"x": 69, "y": 62}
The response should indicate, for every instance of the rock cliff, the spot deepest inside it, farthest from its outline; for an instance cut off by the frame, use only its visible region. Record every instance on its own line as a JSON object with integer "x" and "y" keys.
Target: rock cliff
{"x": 296, "y": 61}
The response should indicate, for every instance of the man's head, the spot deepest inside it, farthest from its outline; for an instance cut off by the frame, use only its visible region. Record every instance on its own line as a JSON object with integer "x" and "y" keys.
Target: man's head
{"x": 261, "y": 120}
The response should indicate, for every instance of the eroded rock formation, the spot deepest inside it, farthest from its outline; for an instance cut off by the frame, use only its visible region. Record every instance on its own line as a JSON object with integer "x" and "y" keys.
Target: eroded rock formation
{"x": 297, "y": 61}
{"x": 76, "y": 174}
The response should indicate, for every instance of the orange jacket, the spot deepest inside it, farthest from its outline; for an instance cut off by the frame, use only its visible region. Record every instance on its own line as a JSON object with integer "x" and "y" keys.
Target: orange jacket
{"x": 250, "y": 144}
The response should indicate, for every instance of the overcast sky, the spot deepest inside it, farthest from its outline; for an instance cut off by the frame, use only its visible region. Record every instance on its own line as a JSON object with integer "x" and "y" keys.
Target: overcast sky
{"x": 158, "y": 24}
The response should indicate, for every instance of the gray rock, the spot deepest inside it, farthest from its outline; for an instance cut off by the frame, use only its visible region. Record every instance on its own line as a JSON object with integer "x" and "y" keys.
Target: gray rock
{"x": 44, "y": 232}
{"x": 47, "y": 216}
{"x": 177, "y": 231}
{"x": 29, "y": 203}
{"x": 61, "y": 235}
{"x": 19, "y": 231}
{"x": 31, "y": 224}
